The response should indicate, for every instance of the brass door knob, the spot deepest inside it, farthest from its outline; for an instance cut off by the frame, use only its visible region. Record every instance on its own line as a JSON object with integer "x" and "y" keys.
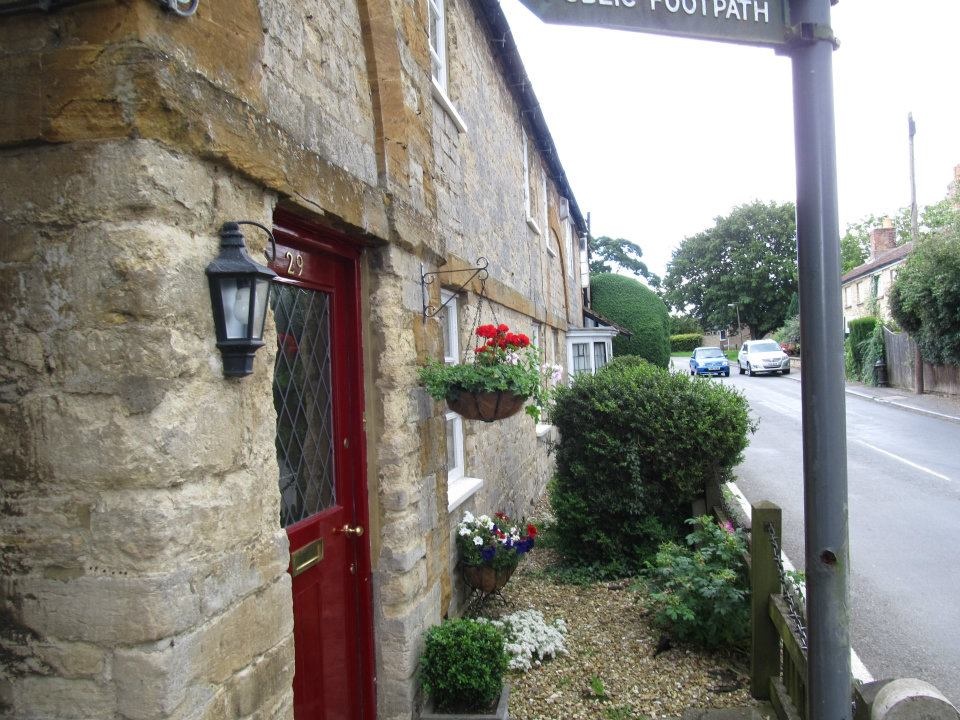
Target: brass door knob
{"x": 356, "y": 531}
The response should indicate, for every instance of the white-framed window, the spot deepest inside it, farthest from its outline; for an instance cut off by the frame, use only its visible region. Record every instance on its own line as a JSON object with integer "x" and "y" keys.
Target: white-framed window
{"x": 545, "y": 219}
{"x": 568, "y": 245}
{"x": 589, "y": 349}
{"x": 450, "y": 329}
{"x": 581, "y": 359}
{"x": 438, "y": 43}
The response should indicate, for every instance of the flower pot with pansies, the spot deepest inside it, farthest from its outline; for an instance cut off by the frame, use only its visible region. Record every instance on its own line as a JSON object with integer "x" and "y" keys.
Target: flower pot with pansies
{"x": 490, "y": 549}
{"x": 504, "y": 373}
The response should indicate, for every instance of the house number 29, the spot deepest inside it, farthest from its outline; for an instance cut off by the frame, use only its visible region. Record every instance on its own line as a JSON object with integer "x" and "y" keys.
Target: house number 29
{"x": 294, "y": 264}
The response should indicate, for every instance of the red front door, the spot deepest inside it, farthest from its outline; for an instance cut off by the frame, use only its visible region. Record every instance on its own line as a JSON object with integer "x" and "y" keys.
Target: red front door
{"x": 318, "y": 396}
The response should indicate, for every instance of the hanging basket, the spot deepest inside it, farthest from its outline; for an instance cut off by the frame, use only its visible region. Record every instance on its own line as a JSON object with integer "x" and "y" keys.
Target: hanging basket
{"x": 485, "y": 579}
{"x": 486, "y": 406}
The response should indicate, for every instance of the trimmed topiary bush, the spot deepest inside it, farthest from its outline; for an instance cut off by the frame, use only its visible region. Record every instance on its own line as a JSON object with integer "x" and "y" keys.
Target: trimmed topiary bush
{"x": 687, "y": 342}
{"x": 637, "y": 308}
{"x": 637, "y": 446}
{"x": 463, "y": 665}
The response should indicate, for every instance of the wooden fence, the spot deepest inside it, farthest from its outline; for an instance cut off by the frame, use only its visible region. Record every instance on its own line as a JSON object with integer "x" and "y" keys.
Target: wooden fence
{"x": 901, "y": 352}
{"x": 778, "y": 657}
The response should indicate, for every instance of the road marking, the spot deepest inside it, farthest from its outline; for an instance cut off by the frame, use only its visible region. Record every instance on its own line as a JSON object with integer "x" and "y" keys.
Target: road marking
{"x": 857, "y": 668}
{"x": 905, "y": 461}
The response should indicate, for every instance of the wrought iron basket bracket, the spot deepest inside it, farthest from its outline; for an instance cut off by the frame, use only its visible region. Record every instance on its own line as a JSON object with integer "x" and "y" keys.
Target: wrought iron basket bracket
{"x": 427, "y": 278}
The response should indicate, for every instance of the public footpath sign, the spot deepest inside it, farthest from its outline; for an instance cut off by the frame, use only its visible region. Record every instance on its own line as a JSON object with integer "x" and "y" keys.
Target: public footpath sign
{"x": 750, "y": 22}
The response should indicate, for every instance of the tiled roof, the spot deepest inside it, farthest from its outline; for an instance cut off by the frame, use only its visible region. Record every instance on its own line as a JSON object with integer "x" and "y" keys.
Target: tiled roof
{"x": 890, "y": 257}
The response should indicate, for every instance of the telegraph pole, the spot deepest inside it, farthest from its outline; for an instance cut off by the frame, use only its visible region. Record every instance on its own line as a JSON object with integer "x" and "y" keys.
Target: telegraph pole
{"x": 914, "y": 230}
{"x": 914, "y": 235}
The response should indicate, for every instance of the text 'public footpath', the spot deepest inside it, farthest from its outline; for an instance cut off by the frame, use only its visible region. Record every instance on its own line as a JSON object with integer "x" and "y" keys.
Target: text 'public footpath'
{"x": 745, "y": 10}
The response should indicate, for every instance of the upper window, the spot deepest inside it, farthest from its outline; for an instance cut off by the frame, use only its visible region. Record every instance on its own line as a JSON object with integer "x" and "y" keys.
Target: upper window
{"x": 438, "y": 43}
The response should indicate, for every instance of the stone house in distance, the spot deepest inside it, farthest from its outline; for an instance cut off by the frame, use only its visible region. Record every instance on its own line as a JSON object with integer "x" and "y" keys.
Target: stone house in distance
{"x": 151, "y": 505}
{"x": 870, "y": 282}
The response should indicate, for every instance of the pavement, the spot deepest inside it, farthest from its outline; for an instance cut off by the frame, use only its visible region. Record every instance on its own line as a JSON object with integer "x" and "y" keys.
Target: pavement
{"x": 944, "y": 407}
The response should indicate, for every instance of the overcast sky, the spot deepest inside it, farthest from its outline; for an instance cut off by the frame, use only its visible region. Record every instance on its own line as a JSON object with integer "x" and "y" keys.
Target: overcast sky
{"x": 660, "y": 135}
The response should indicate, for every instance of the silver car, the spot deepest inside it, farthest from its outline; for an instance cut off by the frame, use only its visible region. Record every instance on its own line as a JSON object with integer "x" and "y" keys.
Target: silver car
{"x": 763, "y": 356}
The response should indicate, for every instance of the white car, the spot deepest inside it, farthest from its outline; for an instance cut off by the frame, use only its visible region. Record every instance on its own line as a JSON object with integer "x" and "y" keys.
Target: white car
{"x": 763, "y": 356}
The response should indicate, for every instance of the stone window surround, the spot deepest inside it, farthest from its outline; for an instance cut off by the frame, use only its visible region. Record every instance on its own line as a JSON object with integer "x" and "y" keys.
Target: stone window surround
{"x": 439, "y": 65}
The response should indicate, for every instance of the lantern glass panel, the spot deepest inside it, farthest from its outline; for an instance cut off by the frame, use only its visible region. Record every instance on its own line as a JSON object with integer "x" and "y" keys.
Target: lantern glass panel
{"x": 260, "y": 311}
{"x": 235, "y": 295}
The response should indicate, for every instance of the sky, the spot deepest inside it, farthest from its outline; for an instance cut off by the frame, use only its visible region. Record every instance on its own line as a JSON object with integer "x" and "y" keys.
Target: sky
{"x": 661, "y": 135}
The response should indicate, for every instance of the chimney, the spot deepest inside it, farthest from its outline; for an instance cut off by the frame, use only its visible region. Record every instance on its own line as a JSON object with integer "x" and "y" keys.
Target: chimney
{"x": 883, "y": 238}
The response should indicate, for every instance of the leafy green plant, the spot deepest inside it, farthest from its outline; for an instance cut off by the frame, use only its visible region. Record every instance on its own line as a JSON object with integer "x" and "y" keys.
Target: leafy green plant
{"x": 463, "y": 665}
{"x": 925, "y": 297}
{"x": 637, "y": 445}
{"x": 701, "y": 592}
{"x": 871, "y": 350}
{"x": 597, "y": 687}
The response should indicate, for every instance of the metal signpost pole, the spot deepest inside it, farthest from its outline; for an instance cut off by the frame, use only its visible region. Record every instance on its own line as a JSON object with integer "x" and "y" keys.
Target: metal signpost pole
{"x": 821, "y": 330}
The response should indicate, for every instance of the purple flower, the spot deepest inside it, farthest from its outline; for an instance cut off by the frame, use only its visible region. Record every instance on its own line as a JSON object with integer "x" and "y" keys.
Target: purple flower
{"x": 487, "y": 553}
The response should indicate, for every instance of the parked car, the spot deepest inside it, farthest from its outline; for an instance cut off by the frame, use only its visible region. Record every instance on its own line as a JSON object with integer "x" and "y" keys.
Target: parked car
{"x": 762, "y": 356}
{"x": 709, "y": 361}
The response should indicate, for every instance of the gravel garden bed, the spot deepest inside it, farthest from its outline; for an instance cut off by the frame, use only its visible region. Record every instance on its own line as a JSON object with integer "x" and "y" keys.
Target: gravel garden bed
{"x": 617, "y": 666}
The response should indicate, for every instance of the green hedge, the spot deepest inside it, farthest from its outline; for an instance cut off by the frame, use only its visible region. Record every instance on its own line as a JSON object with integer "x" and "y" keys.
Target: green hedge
{"x": 637, "y": 446}
{"x": 860, "y": 331}
{"x": 637, "y": 308}
{"x": 688, "y": 342}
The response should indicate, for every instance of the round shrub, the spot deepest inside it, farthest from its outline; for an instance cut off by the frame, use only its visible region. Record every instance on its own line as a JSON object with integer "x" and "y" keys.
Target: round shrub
{"x": 638, "y": 444}
{"x": 463, "y": 665}
{"x": 688, "y": 342}
{"x": 637, "y": 308}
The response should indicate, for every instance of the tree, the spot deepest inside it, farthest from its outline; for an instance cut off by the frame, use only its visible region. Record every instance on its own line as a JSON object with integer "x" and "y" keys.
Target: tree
{"x": 637, "y": 308}
{"x": 926, "y": 296}
{"x": 748, "y": 258}
{"x": 623, "y": 254}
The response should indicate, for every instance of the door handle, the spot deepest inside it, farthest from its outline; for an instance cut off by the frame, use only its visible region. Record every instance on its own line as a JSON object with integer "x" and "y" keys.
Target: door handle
{"x": 355, "y": 530}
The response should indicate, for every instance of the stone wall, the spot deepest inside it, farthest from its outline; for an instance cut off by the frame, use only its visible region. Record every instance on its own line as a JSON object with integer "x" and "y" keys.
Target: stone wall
{"x": 140, "y": 536}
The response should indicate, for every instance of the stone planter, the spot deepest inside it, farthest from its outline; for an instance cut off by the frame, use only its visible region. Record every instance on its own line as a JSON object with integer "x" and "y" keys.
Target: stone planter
{"x": 486, "y": 406}
{"x": 500, "y": 713}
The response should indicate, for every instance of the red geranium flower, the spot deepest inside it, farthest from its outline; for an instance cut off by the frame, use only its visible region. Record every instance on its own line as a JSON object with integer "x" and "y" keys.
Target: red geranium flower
{"x": 531, "y": 530}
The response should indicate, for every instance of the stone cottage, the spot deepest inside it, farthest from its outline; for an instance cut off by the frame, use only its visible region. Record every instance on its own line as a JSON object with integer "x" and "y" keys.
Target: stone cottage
{"x": 177, "y": 543}
{"x": 865, "y": 288}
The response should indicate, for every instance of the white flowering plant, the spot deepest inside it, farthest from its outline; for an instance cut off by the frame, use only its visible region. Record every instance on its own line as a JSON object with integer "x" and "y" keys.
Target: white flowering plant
{"x": 530, "y": 639}
{"x": 495, "y": 541}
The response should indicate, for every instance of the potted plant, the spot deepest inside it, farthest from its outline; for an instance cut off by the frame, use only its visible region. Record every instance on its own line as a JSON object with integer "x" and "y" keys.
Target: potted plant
{"x": 490, "y": 549}
{"x": 504, "y": 373}
{"x": 462, "y": 671}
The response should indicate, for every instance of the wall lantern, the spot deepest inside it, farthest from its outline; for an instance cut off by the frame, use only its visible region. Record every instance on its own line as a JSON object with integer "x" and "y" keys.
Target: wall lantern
{"x": 239, "y": 290}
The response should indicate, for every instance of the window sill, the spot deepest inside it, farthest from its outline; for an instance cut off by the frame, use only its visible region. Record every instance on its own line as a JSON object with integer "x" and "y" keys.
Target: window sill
{"x": 547, "y": 433}
{"x": 459, "y": 490}
{"x": 533, "y": 225}
{"x": 441, "y": 97}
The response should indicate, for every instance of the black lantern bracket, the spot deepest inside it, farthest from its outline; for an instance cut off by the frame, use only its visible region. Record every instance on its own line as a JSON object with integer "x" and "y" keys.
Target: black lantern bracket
{"x": 427, "y": 278}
